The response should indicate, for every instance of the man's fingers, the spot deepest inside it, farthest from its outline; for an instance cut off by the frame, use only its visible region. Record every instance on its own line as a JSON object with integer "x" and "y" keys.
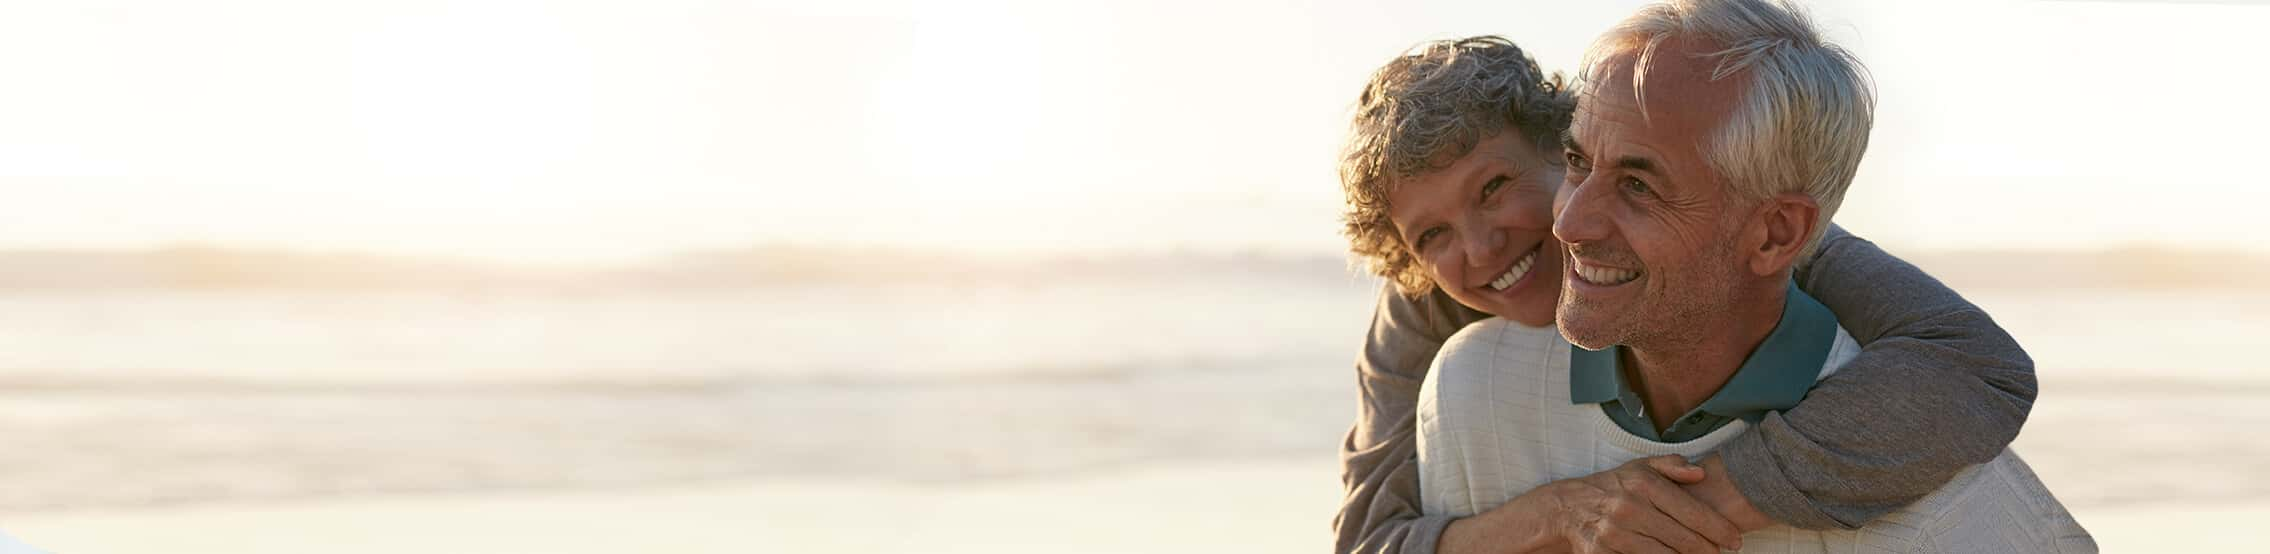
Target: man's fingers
{"x": 1677, "y": 468}
{"x": 1661, "y": 529}
{"x": 1692, "y": 515}
{"x": 1634, "y": 511}
{"x": 1650, "y": 513}
{"x": 1630, "y": 543}
{"x": 1668, "y": 535}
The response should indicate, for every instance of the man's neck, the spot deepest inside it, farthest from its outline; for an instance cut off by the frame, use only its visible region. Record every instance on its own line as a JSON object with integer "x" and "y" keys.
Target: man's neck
{"x": 1675, "y": 376}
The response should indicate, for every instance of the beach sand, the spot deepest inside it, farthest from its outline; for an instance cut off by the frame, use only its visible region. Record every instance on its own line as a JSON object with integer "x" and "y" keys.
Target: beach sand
{"x": 1256, "y": 506}
{"x": 1246, "y": 506}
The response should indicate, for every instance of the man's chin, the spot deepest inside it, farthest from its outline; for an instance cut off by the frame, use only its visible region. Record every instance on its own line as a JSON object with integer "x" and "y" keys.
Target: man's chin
{"x": 1587, "y": 331}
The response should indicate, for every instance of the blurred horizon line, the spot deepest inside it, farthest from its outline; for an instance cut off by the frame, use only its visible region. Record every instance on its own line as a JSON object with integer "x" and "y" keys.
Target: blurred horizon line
{"x": 193, "y": 266}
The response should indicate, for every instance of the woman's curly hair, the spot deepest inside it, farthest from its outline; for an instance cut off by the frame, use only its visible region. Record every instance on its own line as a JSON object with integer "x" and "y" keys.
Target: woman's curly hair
{"x": 1426, "y": 109}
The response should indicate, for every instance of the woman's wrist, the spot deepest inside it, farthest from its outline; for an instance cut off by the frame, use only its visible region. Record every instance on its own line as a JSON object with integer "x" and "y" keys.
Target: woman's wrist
{"x": 1528, "y": 523}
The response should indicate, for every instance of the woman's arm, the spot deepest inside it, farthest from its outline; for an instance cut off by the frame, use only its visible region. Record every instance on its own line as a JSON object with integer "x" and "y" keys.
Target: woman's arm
{"x": 1379, "y": 471}
{"x": 1937, "y": 387}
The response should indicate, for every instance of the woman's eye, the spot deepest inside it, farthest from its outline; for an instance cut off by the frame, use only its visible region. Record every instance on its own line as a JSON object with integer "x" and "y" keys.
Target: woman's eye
{"x": 1637, "y": 186}
{"x": 1425, "y": 238}
{"x": 1492, "y": 186}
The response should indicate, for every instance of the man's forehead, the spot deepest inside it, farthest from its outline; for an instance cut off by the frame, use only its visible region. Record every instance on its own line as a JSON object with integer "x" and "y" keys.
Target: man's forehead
{"x": 1676, "y": 92}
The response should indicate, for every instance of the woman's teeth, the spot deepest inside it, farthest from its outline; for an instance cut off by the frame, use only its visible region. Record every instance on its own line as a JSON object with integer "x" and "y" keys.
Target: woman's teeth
{"x": 1520, "y": 268}
{"x": 1604, "y": 276}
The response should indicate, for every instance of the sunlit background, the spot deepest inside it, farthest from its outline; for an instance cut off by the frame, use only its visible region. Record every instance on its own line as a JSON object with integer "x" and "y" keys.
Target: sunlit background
{"x": 685, "y": 276}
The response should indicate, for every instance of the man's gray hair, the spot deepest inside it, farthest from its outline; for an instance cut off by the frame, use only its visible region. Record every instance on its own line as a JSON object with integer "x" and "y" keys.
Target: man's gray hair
{"x": 1801, "y": 123}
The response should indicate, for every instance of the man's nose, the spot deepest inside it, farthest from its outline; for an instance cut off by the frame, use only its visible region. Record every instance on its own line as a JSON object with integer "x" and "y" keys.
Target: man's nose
{"x": 1580, "y": 218}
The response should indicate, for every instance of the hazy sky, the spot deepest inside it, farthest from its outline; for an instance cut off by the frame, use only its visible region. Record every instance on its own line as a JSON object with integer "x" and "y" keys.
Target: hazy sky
{"x": 574, "y": 132}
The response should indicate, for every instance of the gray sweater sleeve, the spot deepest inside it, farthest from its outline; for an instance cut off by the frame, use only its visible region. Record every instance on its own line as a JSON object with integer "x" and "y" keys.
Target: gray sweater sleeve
{"x": 1938, "y": 387}
{"x": 1379, "y": 471}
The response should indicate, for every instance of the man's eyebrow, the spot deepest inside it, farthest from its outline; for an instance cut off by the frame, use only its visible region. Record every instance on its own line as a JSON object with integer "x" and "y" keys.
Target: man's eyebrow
{"x": 1636, "y": 163}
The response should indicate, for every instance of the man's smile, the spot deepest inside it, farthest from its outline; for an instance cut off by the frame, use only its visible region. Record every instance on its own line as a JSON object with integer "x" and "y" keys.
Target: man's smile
{"x": 1599, "y": 275}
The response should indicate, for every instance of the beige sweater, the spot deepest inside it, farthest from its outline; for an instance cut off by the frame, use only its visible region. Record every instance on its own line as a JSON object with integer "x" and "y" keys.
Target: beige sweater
{"x": 1495, "y": 421}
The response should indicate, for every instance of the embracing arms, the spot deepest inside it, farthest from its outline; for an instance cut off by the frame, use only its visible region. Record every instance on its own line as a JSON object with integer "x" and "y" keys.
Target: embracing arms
{"x": 1937, "y": 388}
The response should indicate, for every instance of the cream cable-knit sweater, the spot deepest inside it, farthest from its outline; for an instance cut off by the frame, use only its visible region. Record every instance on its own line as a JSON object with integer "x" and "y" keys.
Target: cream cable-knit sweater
{"x": 1495, "y": 420}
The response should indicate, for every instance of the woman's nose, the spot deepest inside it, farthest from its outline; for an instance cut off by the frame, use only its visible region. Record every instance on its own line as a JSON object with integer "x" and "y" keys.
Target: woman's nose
{"x": 1482, "y": 244}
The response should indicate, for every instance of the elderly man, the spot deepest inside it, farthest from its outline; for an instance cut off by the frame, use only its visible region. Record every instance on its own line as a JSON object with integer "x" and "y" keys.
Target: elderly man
{"x": 1712, "y": 143}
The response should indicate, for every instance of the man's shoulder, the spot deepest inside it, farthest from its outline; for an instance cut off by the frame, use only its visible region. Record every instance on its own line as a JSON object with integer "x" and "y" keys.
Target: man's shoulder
{"x": 1501, "y": 343}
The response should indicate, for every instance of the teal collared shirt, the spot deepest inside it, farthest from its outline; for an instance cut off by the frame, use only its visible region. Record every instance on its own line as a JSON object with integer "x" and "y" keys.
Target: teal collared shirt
{"x": 1774, "y": 378}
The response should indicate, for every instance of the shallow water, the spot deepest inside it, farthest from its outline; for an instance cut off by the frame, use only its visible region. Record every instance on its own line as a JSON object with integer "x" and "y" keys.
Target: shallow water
{"x": 163, "y": 397}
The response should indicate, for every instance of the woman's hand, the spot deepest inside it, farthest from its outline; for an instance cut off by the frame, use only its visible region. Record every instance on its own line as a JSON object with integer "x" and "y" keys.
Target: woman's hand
{"x": 1640, "y": 507}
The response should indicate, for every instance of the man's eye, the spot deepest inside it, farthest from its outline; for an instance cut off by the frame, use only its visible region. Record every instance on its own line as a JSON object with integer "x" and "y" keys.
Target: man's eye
{"x": 1577, "y": 162}
{"x": 1637, "y": 186}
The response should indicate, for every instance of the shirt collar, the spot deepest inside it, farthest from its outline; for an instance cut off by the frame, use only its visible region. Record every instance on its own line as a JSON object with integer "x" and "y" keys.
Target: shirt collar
{"x": 1594, "y": 375}
{"x": 1775, "y": 377}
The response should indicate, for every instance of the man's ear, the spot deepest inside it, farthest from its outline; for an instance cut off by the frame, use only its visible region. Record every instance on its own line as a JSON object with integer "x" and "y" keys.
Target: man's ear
{"x": 1786, "y": 222}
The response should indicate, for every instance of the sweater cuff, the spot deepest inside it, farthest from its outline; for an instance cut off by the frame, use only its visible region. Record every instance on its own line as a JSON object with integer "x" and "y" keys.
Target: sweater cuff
{"x": 1422, "y": 534}
{"x": 1759, "y": 476}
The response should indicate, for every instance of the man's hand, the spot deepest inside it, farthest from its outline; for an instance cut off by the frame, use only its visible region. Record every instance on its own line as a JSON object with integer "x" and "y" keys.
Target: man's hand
{"x": 1640, "y": 507}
